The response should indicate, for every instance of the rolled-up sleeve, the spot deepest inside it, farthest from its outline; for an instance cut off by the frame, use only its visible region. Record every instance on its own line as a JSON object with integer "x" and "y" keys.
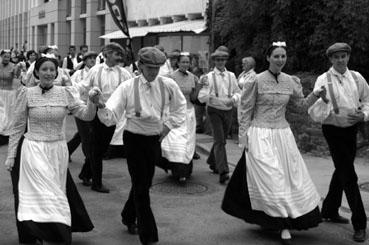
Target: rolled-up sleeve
{"x": 204, "y": 92}
{"x": 320, "y": 110}
{"x": 114, "y": 107}
{"x": 236, "y": 90}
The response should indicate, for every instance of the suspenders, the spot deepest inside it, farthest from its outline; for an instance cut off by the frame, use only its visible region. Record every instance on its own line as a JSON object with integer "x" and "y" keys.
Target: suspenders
{"x": 99, "y": 77}
{"x": 137, "y": 100}
{"x": 331, "y": 92}
{"x": 216, "y": 86}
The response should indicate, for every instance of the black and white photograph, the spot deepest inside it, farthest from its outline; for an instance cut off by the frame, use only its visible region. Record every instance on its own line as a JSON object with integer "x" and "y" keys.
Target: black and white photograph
{"x": 183, "y": 122}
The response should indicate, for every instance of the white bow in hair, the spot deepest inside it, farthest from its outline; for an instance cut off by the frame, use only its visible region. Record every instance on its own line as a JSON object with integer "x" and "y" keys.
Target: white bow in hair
{"x": 52, "y": 56}
{"x": 279, "y": 44}
{"x": 185, "y": 54}
{"x": 53, "y": 46}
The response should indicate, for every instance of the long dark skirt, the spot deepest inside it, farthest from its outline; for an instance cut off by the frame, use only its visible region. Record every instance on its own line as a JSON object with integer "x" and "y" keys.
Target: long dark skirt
{"x": 178, "y": 170}
{"x": 236, "y": 202}
{"x": 29, "y": 231}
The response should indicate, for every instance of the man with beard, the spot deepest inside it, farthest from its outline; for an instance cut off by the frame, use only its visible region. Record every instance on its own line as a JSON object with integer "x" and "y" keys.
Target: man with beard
{"x": 107, "y": 77}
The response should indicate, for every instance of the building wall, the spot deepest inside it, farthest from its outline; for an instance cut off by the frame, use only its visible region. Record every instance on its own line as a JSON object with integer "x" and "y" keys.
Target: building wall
{"x": 78, "y": 22}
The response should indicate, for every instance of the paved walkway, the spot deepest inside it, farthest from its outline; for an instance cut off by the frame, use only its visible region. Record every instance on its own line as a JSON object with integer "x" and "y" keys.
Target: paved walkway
{"x": 320, "y": 168}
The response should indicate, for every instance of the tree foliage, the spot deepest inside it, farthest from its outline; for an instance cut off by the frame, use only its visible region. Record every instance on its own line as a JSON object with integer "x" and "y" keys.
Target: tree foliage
{"x": 248, "y": 27}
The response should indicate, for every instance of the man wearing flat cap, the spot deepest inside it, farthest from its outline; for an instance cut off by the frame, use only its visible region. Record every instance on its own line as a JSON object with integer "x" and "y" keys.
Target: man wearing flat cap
{"x": 221, "y": 93}
{"x": 153, "y": 105}
{"x": 106, "y": 77}
{"x": 347, "y": 104}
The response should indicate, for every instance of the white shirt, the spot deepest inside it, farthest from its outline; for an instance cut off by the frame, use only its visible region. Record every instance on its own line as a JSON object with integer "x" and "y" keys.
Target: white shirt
{"x": 150, "y": 121}
{"x": 207, "y": 92}
{"x": 348, "y": 95}
{"x": 109, "y": 79}
{"x": 79, "y": 76}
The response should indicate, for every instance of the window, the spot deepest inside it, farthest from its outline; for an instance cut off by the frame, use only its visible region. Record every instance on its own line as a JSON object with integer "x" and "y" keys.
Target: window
{"x": 69, "y": 8}
{"x": 100, "y": 5}
{"x": 83, "y": 6}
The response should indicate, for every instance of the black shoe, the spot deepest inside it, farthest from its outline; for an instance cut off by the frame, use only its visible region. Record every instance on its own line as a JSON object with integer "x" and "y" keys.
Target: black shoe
{"x": 337, "y": 219}
{"x": 101, "y": 189}
{"x": 132, "y": 229}
{"x": 199, "y": 131}
{"x": 196, "y": 156}
{"x": 86, "y": 182}
{"x": 223, "y": 178}
{"x": 212, "y": 168}
{"x": 359, "y": 235}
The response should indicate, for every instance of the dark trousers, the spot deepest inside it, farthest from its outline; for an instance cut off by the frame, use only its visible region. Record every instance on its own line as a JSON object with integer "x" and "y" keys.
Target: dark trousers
{"x": 200, "y": 113}
{"x": 99, "y": 140}
{"x": 73, "y": 143}
{"x": 221, "y": 122}
{"x": 342, "y": 146}
{"x": 85, "y": 132}
{"x": 143, "y": 152}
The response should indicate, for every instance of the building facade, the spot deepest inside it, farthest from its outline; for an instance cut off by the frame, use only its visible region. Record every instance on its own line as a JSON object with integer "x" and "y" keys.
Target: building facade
{"x": 29, "y": 24}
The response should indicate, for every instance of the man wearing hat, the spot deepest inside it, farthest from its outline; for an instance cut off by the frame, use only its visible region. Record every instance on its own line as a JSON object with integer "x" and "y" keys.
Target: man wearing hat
{"x": 346, "y": 105}
{"x": 153, "y": 105}
{"x": 107, "y": 77}
{"x": 221, "y": 93}
{"x": 88, "y": 60}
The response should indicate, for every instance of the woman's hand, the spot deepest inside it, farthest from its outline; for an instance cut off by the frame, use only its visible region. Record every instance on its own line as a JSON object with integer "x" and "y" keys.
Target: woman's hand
{"x": 322, "y": 93}
{"x": 243, "y": 142}
{"x": 65, "y": 81}
{"x": 9, "y": 163}
{"x": 95, "y": 96}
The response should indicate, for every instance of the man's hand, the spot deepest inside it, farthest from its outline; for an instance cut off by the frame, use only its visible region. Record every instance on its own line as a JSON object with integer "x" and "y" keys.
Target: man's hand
{"x": 229, "y": 102}
{"x": 9, "y": 163}
{"x": 164, "y": 132}
{"x": 357, "y": 116}
{"x": 94, "y": 95}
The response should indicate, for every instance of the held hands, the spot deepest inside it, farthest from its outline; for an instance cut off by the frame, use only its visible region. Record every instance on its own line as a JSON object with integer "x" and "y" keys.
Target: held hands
{"x": 9, "y": 163}
{"x": 164, "y": 132}
{"x": 65, "y": 81}
{"x": 95, "y": 96}
{"x": 229, "y": 102}
{"x": 322, "y": 93}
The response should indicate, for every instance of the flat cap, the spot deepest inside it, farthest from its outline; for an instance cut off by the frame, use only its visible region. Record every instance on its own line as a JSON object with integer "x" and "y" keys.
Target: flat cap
{"x": 89, "y": 54}
{"x": 115, "y": 47}
{"x": 151, "y": 57}
{"x": 338, "y": 47}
